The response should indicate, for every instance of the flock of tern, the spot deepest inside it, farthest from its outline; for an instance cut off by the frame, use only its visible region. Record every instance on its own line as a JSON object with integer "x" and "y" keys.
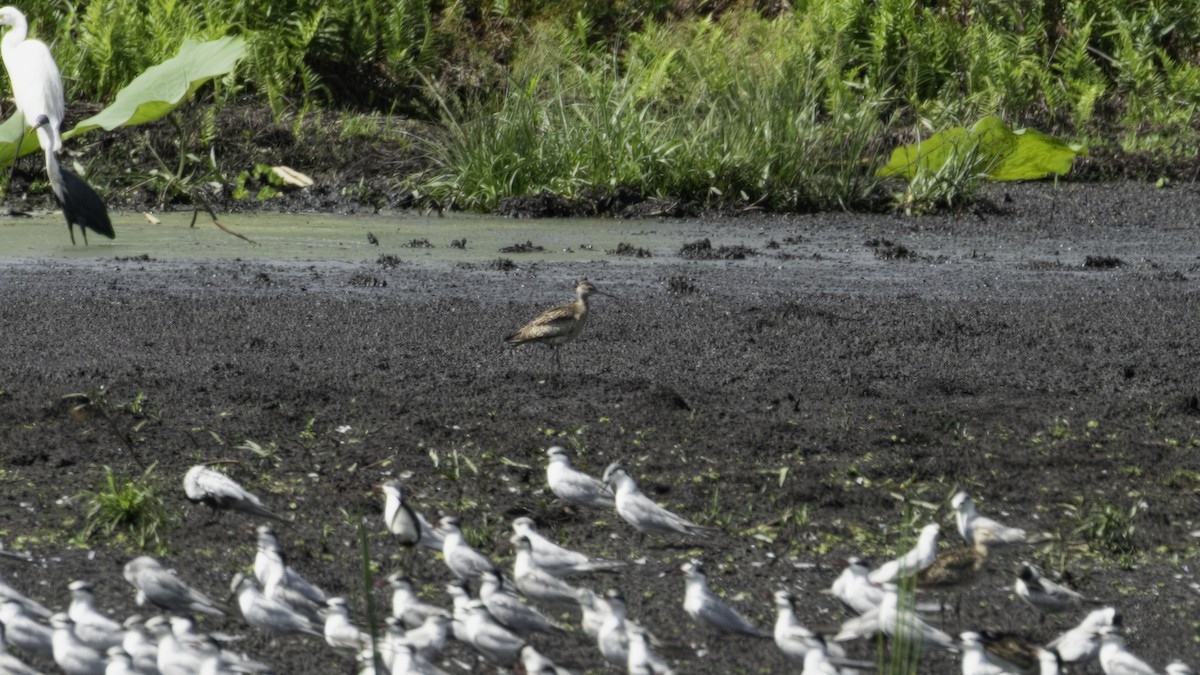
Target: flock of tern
{"x": 543, "y": 595}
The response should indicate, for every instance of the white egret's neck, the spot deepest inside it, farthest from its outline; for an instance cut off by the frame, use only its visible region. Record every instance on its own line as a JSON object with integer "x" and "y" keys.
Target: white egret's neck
{"x": 19, "y": 31}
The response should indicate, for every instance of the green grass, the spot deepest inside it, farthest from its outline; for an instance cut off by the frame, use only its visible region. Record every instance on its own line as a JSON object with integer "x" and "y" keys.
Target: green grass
{"x": 790, "y": 111}
{"x": 794, "y": 113}
{"x": 128, "y": 508}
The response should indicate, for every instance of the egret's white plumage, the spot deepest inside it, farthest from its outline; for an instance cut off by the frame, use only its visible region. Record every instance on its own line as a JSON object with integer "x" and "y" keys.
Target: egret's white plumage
{"x": 36, "y": 83}
{"x": 38, "y": 93}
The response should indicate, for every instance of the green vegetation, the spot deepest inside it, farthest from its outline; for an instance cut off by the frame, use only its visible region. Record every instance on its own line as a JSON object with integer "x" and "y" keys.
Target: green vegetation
{"x": 129, "y": 508}
{"x": 793, "y": 111}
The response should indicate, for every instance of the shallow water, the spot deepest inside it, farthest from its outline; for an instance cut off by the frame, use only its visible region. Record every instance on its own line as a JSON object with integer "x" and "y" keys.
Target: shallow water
{"x": 319, "y": 236}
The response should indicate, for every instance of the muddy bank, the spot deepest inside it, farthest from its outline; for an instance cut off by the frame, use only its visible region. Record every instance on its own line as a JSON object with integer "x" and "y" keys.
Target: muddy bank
{"x": 1043, "y": 358}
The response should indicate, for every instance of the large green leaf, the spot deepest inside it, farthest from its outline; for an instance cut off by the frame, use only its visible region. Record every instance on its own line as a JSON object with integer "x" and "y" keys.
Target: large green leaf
{"x": 1036, "y": 154}
{"x": 1002, "y": 153}
{"x": 151, "y": 95}
{"x": 9, "y": 131}
{"x": 161, "y": 88}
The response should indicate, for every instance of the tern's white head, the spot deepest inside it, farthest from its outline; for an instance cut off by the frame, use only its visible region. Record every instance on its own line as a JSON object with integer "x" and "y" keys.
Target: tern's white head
{"x": 266, "y": 537}
{"x": 391, "y": 488}
{"x": 524, "y": 525}
{"x": 960, "y": 501}
{"x": 522, "y": 543}
{"x": 611, "y": 470}
{"x": 490, "y": 578}
{"x": 694, "y": 572}
{"x": 971, "y": 639}
{"x": 783, "y": 600}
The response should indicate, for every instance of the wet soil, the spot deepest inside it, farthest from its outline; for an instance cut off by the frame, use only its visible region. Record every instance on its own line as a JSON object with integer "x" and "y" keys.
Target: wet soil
{"x": 813, "y": 401}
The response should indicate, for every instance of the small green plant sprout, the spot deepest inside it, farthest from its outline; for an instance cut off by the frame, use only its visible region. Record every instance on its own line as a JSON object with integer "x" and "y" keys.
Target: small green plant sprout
{"x": 901, "y": 655}
{"x": 453, "y": 465}
{"x": 127, "y": 508}
{"x": 1098, "y": 528}
{"x": 265, "y": 452}
{"x": 714, "y": 513}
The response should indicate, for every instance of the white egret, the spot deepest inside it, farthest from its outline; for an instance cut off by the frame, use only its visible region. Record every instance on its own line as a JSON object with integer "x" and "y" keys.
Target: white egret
{"x": 38, "y": 93}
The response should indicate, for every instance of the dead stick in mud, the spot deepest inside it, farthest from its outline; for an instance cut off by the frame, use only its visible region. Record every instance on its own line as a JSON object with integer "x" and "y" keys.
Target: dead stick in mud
{"x": 205, "y": 206}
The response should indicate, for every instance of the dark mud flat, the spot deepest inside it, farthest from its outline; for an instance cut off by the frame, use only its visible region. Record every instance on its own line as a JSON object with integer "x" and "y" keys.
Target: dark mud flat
{"x": 1038, "y": 357}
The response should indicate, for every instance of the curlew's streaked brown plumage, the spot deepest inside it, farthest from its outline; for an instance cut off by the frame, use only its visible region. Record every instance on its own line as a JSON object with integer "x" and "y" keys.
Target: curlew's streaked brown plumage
{"x": 558, "y": 326}
{"x": 956, "y": 567}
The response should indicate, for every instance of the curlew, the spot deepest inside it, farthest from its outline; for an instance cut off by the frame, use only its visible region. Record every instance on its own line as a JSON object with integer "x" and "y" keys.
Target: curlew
{"x": 560, "y": 325}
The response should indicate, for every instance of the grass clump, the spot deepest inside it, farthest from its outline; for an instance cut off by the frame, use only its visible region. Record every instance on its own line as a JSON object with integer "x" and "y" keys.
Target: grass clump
{"x": 789, "y": 110}
{"x": 129, "y": 508}
{"x": 699, "y": 112}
